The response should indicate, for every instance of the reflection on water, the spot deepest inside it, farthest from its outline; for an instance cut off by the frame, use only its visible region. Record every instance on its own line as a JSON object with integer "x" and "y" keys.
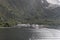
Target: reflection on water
{"x": 19, "y": 34}
{"x": 54, "y": 26}
{"x": 15, "y": 34}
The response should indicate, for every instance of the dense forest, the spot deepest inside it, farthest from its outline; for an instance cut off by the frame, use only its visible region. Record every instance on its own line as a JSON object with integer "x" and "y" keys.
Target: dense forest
{"x": 13, "y": 12}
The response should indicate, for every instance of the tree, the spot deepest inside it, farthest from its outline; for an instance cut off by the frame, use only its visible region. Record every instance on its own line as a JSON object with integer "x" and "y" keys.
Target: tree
{"x": 6, "y": 25}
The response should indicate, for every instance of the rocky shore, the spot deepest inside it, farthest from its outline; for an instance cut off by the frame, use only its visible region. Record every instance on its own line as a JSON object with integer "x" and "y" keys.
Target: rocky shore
{"x": 35, "y": 26}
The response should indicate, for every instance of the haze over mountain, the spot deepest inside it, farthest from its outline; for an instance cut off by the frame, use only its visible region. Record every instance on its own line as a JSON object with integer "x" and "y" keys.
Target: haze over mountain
{"x": 30, "y": 11}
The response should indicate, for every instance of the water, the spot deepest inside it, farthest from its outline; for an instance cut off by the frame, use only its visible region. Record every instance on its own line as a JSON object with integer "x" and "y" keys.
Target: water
{"x": 54, "y": 26}
{"x": 14, "y": 34}
{"x": 19, "y": 34}
{"x": 23, "y": 34}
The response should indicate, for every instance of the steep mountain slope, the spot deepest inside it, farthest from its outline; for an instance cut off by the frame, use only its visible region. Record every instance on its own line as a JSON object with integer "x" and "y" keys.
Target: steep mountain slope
{"x": 28, "y": 11}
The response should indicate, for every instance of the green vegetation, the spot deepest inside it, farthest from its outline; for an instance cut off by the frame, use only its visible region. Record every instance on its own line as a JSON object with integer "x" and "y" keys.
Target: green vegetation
{"x": 7, "y": 19}
{"x": 11, "y": 15}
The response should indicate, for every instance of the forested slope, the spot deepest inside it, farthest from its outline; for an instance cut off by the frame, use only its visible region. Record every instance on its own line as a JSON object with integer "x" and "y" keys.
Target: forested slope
{"x": 26, "y": 11}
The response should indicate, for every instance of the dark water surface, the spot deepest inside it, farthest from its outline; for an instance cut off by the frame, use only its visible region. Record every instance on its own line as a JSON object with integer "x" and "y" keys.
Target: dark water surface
{"x": 21, "y": 33}
{"x": 15, "y": 34}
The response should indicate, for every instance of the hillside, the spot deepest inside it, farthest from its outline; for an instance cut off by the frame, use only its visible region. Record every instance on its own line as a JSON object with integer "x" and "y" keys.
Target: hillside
{"x": 27, "y": 11}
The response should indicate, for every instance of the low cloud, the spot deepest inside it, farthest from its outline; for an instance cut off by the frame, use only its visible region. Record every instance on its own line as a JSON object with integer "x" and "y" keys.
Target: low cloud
{"x": 53, "y": 4}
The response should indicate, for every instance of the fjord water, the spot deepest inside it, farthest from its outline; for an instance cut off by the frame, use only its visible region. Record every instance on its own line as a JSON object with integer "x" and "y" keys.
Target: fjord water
{"x": 19, "y": 34}
{"x": 14, "y": 34}
{"x": 27, "y": 33}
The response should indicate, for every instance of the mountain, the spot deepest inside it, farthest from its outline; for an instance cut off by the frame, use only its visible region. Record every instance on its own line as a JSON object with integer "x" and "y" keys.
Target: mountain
{"x": 29, "y": 11}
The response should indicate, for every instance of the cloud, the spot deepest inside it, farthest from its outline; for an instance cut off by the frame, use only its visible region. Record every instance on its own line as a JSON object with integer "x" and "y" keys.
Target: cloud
{"x": 53, "y": 4}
